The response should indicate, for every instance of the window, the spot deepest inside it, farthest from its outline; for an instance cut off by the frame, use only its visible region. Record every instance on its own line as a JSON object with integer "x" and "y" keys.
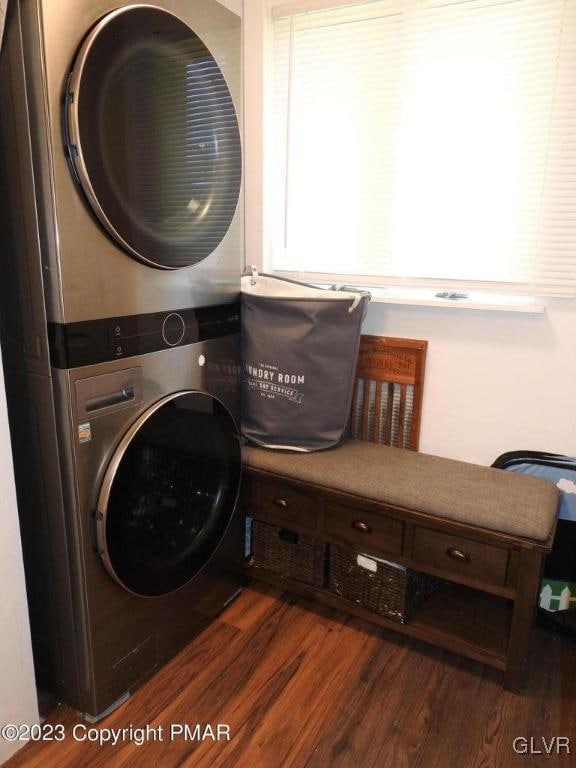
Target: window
{"x": 426, "y": 142}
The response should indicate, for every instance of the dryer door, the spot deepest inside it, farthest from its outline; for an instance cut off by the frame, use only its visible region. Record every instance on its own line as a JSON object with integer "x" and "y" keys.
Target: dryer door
{"x": 153, "y": 136}
{"x": 169, "y": 493}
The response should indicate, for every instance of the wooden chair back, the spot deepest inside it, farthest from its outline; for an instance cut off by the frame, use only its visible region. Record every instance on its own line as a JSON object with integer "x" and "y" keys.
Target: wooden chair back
{"x": 387, "y": 399}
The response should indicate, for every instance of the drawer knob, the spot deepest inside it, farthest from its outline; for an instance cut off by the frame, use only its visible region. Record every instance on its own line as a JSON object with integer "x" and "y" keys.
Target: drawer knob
{"x": 282, "y": 503}
{"x": 458, "y": 554}
{"x": 359, "y": 525}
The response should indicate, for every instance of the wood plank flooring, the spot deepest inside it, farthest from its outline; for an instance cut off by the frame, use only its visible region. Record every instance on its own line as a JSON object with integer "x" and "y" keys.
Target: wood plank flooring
{"x": 308, "y": 687}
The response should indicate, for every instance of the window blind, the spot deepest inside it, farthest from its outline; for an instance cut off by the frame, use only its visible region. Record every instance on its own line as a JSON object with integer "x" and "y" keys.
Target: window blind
{"x": 427, "y": 140}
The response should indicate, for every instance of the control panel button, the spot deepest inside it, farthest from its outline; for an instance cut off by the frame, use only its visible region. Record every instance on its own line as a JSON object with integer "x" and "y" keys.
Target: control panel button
{"x": 120, "y": 328}
{"x": 173, "y": 329}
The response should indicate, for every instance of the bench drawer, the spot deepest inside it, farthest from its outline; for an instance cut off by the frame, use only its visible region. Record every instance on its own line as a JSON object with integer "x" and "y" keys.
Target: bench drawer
{"x": 284, "y": 505}
{"x": 456, "y": 554}
{"x": 362, "y": 529}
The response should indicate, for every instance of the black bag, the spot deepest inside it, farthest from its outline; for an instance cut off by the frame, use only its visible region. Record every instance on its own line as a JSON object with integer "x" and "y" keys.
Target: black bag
{"x": 558, "y": 590}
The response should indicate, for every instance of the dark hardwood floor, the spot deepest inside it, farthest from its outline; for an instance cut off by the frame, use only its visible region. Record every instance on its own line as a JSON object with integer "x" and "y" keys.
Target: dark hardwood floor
{"x": 306, "y": 687}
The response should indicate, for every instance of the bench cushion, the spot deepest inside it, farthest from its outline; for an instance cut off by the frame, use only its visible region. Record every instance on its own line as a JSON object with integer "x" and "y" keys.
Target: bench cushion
{"x": 468, "y": 493}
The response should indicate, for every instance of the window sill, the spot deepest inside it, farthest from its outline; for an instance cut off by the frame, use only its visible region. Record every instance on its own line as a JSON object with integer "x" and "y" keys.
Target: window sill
{"x": 483, "y": 300}
{"x": 480, "y": 301}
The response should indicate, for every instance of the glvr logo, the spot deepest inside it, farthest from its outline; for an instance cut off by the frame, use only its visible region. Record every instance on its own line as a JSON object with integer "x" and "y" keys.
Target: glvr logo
{"x": 540, "y": 745}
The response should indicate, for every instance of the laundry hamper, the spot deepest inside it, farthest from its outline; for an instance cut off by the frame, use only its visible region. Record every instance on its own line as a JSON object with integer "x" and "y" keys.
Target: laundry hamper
{"x": 386, "y": 588}
{"x": 299, "y": 351}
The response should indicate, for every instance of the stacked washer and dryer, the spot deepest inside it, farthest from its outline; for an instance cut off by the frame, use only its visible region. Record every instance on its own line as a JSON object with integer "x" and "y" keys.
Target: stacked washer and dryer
{"x": 121, "y": 253}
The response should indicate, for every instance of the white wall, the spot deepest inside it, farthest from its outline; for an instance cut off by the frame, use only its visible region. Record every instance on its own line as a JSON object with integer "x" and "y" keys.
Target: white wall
{"x": 495, "y": 381}
{"x": 18, "y": 703}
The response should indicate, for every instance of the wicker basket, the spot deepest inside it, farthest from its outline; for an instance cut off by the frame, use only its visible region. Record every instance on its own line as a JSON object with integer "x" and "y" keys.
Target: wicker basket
{"x": 289, "y": 554}
{"x": 386, "y": 588}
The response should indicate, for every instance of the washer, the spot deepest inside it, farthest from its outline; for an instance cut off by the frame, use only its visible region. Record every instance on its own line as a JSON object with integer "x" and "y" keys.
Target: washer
{"x": 153, "y": 445}
{"x": 128, "y": 473}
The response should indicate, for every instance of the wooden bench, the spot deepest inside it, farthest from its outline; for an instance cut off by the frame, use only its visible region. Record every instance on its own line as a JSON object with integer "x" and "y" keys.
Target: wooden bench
{"x": 484, "y": 531}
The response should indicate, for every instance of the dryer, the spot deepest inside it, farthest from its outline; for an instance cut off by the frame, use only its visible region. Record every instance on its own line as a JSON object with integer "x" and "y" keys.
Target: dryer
{"x": 121, "y": 134}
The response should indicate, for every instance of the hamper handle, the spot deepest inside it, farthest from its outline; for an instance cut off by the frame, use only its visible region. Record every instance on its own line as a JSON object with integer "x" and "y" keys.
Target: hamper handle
{"x": 252, "y": 272}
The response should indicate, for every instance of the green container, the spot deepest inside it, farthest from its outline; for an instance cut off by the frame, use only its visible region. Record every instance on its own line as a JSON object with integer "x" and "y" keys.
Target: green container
{"x": 557, "y": 595}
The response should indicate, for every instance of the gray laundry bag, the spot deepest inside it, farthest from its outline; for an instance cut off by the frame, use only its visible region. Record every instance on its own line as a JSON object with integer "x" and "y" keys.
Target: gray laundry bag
{"x": 299, "y": 351}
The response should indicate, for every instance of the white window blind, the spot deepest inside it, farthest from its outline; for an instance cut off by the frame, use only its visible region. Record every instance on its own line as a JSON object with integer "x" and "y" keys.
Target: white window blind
{"x": 420, "y": 141}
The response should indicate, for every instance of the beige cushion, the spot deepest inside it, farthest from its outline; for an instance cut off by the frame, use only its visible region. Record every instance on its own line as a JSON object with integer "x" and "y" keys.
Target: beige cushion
{"x": 469, "y": 493}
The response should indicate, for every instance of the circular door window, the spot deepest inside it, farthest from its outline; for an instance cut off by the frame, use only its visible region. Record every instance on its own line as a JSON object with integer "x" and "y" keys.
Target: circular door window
{"x": 153, "y": 136}
{"x": 169, "y": 494}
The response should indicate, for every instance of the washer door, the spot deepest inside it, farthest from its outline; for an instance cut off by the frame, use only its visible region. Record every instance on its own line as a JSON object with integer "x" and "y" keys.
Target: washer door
{"x": 153, "y": 136}
{"x": 169, "y": 493}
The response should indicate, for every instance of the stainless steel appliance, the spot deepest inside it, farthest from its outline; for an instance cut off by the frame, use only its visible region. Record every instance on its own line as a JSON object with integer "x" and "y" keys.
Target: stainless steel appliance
{"x": 122, "y": 124}
{"x": 120, "y": 225}
{"x": 128, "y": 474}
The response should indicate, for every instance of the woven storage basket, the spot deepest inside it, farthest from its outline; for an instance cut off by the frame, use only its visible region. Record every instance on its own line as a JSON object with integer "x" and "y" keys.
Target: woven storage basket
{"x": 391, "y": 590}
{"x": 289, "y": 554}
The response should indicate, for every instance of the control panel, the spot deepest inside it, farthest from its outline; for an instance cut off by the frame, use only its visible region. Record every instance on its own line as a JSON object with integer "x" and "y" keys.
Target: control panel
{"x": 96, "y": 341}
